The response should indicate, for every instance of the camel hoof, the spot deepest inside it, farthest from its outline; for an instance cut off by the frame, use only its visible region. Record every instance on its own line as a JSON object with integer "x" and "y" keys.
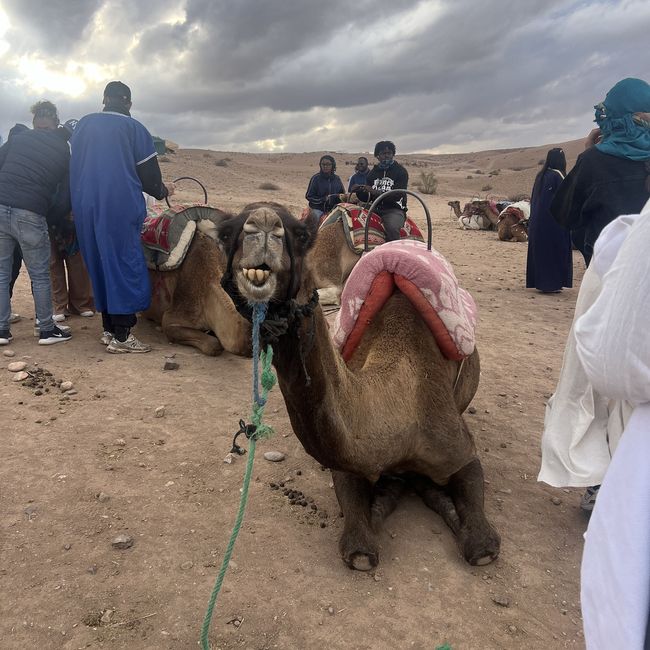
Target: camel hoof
{"x": 482, "y": 561}
{"x": 480, "y": 547}
{"x": 363, "y": 561}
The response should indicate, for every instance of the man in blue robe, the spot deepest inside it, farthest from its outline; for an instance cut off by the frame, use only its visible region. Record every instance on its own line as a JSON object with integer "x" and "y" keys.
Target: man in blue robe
{"x": 113, "y": 162}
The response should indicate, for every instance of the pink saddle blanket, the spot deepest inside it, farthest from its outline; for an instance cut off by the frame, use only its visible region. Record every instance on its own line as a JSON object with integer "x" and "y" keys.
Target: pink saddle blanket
{"x": 429, "y": 282}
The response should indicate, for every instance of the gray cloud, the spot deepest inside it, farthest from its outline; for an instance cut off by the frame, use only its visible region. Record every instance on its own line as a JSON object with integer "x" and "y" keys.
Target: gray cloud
{"x": 310, "y": 75}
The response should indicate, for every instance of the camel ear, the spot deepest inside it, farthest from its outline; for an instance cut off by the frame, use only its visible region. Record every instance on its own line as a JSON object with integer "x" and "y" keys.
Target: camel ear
{"x": 304, "y": 233}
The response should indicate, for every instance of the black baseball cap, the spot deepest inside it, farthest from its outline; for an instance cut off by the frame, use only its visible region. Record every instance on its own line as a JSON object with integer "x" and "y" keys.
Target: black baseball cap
{"x": 118, "y": 90}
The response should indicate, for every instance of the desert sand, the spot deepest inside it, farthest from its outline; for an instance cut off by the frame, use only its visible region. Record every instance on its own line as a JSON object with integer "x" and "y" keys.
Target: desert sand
{"x": 78, "y": 471}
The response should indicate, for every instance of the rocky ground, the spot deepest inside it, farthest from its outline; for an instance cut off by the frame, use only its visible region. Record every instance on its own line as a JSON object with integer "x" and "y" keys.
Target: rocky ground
{"x": 117, "y": 504}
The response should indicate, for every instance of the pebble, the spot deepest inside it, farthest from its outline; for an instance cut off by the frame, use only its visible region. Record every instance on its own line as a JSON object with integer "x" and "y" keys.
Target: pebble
{"x": 9, "y": 353}
{"x": 502, "y": 601}
{"x": 102, "y": 497}
{"x": 274, "y": 456}
{"x": 170, "y": 365}
{"x": 159, "y": 412}
{"x": 120, "y": 442}
{"x": 187, "y": 565}
{"x": 16, "y": 366}
{"x": 122, "y": 542}
{"x": 20, "y": 376}
{"x": 556, "y": 501}
{"x": 472, "y": 410}
{"x": 107, "y": 616}
{"x": 72, "y": 391}
{"x": 66, "y": 385}
{"x": 229, "y": 459}
{"x": 67, "y": 547}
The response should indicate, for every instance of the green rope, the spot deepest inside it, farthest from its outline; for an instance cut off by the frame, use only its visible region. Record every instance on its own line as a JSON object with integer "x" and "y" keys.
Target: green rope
{"x": 261, "y": 431}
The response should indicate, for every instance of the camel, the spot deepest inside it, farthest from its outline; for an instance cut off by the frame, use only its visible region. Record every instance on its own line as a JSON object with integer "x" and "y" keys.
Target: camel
{"x": 190, "y": 305}
{"x": 389, "y": 419}
{"x": 513, "y": 222}
{"x": 332, "y": 262}
{"x": 476, "y": 215}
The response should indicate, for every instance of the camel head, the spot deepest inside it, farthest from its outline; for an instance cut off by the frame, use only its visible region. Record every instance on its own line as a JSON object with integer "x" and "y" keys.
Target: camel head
{"x": 266, "y": 246}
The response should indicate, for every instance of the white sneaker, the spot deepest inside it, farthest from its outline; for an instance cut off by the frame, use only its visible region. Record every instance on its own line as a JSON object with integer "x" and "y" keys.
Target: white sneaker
{"x": 106, "y": 337}
{"x": 58, "y": 318}
{"x": 87, "y": 314}
{"x": 14, "y": 318}
{"x": 130, "y": 345}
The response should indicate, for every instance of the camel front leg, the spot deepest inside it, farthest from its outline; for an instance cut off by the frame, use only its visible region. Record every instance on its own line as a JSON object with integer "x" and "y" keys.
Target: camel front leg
{"x": 358, "y": 543}
{"x": 478, "y": 540}
{"x": 178, "y": 333}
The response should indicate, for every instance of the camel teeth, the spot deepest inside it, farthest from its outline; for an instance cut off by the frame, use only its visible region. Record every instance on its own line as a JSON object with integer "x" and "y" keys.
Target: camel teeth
{"x": 251, "y": 274}
{"x": 259, "y": 273}
{"x": 266, "y": 274}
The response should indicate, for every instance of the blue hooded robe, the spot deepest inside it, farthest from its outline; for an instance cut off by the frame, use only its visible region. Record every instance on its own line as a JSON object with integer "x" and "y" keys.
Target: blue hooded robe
{"x": 109, "y": 208}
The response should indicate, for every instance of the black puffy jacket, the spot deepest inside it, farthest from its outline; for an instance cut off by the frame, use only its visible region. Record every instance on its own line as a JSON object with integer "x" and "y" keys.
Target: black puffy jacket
{"x": 32, "y": 166}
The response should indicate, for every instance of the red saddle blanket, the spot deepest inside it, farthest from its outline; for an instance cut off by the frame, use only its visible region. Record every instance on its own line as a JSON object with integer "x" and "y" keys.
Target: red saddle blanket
{"x": 354, "y": 219}
{"x": 168, "y": 232}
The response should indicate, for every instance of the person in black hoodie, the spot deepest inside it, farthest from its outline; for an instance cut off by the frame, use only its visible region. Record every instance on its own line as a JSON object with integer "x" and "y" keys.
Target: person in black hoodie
{"x": 324, "y": 187}
{"x": 32, "y": 164}
{"x": 387, "y": 175}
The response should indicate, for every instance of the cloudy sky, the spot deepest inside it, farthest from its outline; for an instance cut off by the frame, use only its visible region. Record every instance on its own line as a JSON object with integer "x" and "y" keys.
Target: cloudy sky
{"x": 307, "y": 75}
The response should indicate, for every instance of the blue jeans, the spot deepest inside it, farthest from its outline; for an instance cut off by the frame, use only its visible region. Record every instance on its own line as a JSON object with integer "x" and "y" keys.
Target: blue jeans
{"x": 29, "y": 231}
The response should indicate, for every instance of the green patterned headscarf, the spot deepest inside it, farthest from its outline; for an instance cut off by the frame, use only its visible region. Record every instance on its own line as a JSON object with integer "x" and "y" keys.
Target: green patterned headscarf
{"x": 624, "y": 135}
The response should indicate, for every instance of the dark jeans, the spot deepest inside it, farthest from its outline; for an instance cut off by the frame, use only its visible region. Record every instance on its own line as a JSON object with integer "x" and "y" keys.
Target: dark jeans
{"x": 119, "y": 325}
{"x": 393, "y": 219}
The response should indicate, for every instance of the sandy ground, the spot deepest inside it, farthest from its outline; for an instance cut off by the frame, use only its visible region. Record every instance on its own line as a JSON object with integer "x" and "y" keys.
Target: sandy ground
{"x": 162, "y": 480}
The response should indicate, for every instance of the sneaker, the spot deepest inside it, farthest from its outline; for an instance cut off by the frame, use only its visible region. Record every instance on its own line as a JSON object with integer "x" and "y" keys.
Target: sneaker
{"x": 5, "y": 337}
{"x": 130, "y": 345}
{"x": 58, "y": 318}
{"x": 14, "y": 318}
{"x": 87, "y": 314}
{"x": 106, "y": 337}
{"x": 37, "y": 329}
{"x": 55, "y": 335}
{"x": 588, "y": 500}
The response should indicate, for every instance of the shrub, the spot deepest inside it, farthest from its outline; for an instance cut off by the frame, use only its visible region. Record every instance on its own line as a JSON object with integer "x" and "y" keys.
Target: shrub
{"x": 428, "y": 182}
{"x": 222, "y": 162}
{"x": 163, "y": 159}
{"x": 541, "y": 162}
{"x": 469, "y": 177}
{"x": 478, "y": 172}
{"x": 486, "y": 188}
{"x": 494, "y": 172}
{"x": 207, "y": 154}
{"x": 268, "y": 186}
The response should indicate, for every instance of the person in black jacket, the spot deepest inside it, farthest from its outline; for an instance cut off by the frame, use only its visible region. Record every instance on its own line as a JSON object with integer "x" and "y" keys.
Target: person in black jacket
{"x": 611, "y": 177}
{"x": 387, "y": 175}
{"x": 324, "y": 187}
{"x": 32, "y": 164}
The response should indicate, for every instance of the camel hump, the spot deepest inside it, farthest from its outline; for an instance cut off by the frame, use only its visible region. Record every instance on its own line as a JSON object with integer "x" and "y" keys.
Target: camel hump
{"x": 428, "y": 281}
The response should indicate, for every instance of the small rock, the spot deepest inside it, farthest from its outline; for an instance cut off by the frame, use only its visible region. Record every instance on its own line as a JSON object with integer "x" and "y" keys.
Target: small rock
{"x": 170, "y": 365}
{"x": 92, "y": 569}
{"x": 187, "y": 565}
{"x": 20, "y": 376}
{"x": 229, "y": 459}
{"x": 67, "y": 547}
{"x": 274, "y": 456}
{"x": 16, "y": 366}
{"x": 38, "y": 392}
{"x": 556, "y": 501}
{"x": 66, "y": 385}
{"x": 159, "y": 412}
{"x": 330, "y": 611}
{"x": 72, "y": 391}
{"x": 472, "y": 410}
{"x": 512, "y": 629}
{"x": 122, "y": 542}
{"x": 120, "y": 442}
{"x": 505, "y": 491}
{"x": 102, "y": 497}
{"x": 502, "y": 601}
{"x": 9, "y": 353}
{"x": 107, "y": 616}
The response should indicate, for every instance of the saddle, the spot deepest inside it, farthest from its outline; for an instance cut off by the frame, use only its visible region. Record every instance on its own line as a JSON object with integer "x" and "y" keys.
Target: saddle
{"x": 428, "y": 281}
{"x": 168, "y": 232}
{"x": 354, "y": 219}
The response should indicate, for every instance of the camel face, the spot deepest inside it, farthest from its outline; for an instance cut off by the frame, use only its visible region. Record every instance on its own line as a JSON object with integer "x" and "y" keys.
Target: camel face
{"x": 267, "y": 245}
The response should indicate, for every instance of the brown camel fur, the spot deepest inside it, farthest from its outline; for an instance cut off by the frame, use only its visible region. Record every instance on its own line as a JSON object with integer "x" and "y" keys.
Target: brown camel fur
{"x": 391, "y": 418}
{"x": 332, "y": 260}
{"x": 192, "y": 307}
{"x": 510, "y": 228}
{"x": 476, "y": 212}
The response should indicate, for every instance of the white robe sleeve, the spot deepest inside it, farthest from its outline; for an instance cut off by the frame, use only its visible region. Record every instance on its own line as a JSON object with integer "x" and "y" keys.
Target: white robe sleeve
{"x": 613, "y": 336}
